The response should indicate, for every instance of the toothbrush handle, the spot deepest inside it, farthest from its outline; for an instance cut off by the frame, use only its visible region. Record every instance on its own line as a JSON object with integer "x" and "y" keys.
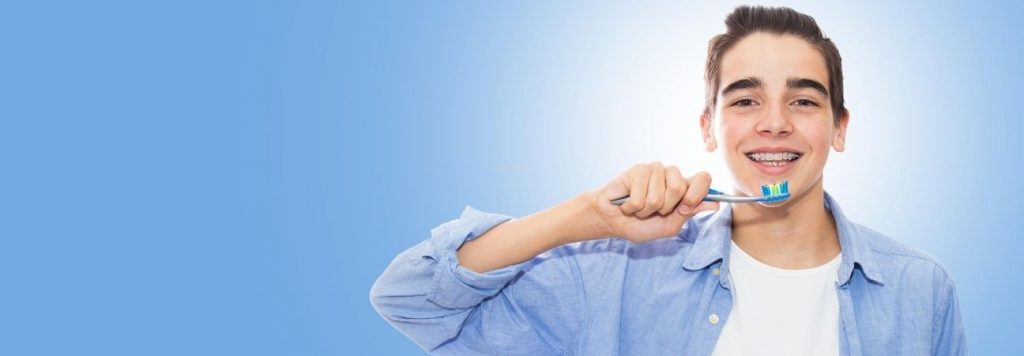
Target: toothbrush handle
{"x": 734, "y": 199}
{"x": 713, "y": 195}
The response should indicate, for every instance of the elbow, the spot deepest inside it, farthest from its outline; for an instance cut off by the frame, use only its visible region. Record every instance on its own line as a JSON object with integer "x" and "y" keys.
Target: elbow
{"x": 379, "y": 299}
{"x": 390, "y": 299}
{"x": 387, "y": 300}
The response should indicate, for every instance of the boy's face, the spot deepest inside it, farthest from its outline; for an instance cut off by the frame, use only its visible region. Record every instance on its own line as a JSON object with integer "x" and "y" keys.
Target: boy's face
{"x": 773, "y": 120}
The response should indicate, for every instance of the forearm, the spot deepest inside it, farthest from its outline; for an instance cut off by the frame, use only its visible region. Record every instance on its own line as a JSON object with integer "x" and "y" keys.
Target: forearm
{"x": 518, "y": 240}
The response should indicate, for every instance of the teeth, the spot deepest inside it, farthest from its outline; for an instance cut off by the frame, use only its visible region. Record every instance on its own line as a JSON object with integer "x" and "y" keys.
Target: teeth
{"x": 773, "y": 158}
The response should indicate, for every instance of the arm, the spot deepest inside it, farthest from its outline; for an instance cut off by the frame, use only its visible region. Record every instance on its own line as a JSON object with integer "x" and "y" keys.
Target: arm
{"x": 483, "y": 283}
{"x": 655, "y": 192}
{"x": 519, "y": 240}
{"x": 948, "y": 337}
{"x": 519, "y": 303}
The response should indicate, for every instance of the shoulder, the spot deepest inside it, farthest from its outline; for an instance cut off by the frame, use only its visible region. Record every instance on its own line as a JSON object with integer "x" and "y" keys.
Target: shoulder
{"x": 600, "y": 257}
{"x": 607, "y": 253}
{"x": 681, "y": 243}
{"x": 902, "y": 264}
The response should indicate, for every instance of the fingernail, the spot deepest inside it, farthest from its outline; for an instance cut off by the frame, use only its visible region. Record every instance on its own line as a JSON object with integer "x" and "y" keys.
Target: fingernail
{"x": 684, "y": 209}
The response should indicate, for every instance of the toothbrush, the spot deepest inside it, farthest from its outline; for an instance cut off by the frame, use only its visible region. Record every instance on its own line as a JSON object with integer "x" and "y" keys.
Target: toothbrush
{"x": 772, "y": 193}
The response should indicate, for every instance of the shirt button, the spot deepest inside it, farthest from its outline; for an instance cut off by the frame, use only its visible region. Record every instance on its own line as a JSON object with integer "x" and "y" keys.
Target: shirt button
{"x": 715, "y": 271}
{"x": 713, "y": 318}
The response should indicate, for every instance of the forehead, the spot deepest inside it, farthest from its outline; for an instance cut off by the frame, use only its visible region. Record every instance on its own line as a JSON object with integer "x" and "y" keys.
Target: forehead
{"x": 773, "y": 58}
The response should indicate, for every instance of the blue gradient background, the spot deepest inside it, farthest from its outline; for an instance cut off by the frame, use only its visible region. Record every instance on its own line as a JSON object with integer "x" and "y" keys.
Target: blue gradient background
{"x": 200, "y": 178}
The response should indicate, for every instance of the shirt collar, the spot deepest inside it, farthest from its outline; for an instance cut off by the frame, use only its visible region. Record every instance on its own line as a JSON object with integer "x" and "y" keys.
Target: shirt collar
{"x": 712, "y": 244}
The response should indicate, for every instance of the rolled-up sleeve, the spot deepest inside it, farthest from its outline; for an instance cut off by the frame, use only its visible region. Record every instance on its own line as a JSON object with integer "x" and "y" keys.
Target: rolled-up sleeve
{"x": 446, "y": 308}
{"x": 454, "y": 286}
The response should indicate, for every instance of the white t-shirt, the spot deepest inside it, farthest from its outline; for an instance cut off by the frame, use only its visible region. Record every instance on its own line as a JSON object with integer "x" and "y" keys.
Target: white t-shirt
{"x": 780, "y": 311}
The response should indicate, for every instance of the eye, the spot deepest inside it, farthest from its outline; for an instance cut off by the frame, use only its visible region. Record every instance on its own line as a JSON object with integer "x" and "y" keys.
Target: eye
{"x": 743, "y": 102}
{"x": 805, "y": 102}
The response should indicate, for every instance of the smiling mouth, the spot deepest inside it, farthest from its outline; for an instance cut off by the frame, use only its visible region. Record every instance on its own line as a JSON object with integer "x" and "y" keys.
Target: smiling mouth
{"x": 774, "y": 159}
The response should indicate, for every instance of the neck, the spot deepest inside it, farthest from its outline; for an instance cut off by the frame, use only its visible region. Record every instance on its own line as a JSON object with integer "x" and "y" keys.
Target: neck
{"x": 800, "y": 234}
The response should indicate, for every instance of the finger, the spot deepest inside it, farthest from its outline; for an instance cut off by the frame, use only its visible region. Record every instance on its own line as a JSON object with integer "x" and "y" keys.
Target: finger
{"x": 655, "y": 191}
{"x": 675, "y": 186}
{"x": 696, "y": 191}
{"x": 638, "y": 177}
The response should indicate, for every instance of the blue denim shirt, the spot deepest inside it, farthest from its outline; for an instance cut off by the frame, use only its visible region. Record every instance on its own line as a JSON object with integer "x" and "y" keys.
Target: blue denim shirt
{"x": 668, "y": 296}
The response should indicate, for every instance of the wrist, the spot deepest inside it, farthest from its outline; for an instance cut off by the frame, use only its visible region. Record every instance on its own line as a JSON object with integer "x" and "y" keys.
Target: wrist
{"x": 582, "y": 219}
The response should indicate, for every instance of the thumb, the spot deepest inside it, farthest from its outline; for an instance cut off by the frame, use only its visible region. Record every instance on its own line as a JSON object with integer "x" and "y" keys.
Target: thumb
{"x": 614, "y": 189}
{"x": 706, "y": 206}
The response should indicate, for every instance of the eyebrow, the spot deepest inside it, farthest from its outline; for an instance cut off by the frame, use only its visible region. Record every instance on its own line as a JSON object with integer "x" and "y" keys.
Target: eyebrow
{"x": 791, "y": 83}
{"x": 745, "y": 83}
{"x": 796, "y": 83}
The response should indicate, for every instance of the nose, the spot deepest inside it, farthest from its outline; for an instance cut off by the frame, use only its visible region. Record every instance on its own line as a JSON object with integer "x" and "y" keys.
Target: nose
{"x": 774, "y": 122}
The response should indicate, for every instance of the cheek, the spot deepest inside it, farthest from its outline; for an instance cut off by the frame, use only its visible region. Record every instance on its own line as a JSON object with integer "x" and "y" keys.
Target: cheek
{"x": 730, "y": 134}
{"x": 821, "y": 139}
{"x": 817, "y": 134}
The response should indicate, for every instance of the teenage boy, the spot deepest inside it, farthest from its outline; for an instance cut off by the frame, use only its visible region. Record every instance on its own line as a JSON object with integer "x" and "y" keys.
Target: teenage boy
{"x": 649, "y": 277}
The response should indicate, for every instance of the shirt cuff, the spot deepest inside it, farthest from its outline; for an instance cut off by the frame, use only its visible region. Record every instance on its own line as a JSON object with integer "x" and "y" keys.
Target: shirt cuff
{"x": 457, "y": 287}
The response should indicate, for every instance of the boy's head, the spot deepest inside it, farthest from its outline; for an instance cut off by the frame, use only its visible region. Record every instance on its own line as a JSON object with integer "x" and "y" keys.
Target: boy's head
{"x": 774, "y": 99}
{"x": 746, "y": 20}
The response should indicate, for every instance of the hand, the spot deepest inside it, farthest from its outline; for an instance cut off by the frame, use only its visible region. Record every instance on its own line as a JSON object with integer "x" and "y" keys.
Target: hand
{"x": 660, "y": 202}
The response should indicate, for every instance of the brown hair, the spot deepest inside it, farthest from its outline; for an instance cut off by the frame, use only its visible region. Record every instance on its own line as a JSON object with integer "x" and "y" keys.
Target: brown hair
{"x": 745, "y": 20}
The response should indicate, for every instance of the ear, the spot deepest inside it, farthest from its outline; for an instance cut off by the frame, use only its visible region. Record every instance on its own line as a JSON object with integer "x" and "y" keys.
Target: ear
{"x": 839, "y": 136}
{"x": 708, "y": 132}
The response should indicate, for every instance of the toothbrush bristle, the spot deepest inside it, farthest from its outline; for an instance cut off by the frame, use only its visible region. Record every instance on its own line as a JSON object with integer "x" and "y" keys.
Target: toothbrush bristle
{"x": 776, "y": 192}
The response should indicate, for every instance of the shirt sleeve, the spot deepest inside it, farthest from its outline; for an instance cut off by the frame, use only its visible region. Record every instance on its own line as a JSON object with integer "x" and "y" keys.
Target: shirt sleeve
{"x": 949, "y": 337}
{"x": 531, "y": 307}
